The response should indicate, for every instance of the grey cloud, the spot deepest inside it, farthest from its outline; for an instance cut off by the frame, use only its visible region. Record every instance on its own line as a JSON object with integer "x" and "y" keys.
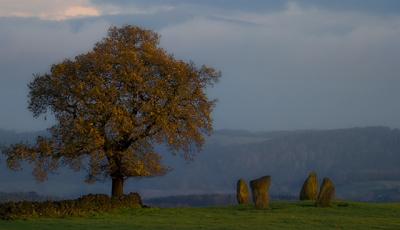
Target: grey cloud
{"x": 289, "y": 74}
{"x": 223, "y": 4}
{"x": 293, "y": 68}
{"x": 371, "y": 6}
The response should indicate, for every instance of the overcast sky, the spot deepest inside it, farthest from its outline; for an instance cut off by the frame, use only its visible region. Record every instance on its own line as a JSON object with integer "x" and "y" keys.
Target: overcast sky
{"x": 286, "y": 64}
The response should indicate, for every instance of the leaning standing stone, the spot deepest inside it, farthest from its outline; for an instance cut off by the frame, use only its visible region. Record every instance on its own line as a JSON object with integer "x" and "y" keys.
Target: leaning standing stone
{"x": 260, "y": 191}
{"x": 309, "y": 191}
{"x": 242, "y": 192}
{"x": 326, "y": 193}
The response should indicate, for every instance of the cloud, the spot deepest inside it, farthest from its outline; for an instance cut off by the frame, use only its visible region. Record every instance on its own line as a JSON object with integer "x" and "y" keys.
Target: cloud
{"x": 59, "y": 10}
{"x": 318, "y": 42}
{"x": 72, "y": 9}
{"x": 245, "y": 5}
{"x": 48, "y": 9}
{"x": 79, "y": 11}
{"x": 133, "y": 9}
{"x": 298, "y": 66}
{"x": 369, "y": 6}
{"x": 301, "y": 67}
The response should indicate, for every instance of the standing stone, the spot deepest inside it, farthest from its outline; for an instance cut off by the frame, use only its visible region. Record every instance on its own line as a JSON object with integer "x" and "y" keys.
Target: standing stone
{"x": 242, "y": 192}
{"x": 260, "y": 191}
{"x": 326, "y": 193}
{"x": 309, "y": 191}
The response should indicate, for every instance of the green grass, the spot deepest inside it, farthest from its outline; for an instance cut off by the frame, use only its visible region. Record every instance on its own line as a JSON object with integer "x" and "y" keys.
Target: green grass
{"x": 282, "y": 215}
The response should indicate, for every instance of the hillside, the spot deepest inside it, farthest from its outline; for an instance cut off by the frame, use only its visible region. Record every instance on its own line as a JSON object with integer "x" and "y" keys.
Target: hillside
{"x": 363, "y": 163}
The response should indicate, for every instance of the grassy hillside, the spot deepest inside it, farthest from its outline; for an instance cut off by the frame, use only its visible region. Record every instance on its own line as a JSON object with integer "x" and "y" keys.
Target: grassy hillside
{"x": 282, "y": 215}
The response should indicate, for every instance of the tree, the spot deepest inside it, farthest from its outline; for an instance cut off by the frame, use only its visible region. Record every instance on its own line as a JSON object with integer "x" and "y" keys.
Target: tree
{"x": 113, "y": 104}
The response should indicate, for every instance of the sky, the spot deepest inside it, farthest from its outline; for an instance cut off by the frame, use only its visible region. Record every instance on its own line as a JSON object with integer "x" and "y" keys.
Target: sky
{"x": 306, "y": 64}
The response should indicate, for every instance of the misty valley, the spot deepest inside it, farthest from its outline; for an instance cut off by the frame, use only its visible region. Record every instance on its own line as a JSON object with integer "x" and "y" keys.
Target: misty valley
{"x": 363, "y": 163}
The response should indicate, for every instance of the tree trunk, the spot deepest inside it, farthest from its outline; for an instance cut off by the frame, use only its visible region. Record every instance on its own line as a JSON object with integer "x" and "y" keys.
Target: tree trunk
{"x": 117, "y": 186}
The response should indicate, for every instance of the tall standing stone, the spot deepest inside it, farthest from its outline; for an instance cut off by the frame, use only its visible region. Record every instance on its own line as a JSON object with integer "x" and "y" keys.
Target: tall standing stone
{"x": 326, "y": 193}
{"x": 309, "y": 191}
{"x": 242, "y": 192}
{"x": 260, "y": 191}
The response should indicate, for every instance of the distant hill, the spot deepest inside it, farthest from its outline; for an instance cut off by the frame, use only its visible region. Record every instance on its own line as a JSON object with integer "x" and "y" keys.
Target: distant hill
{"x": 204, "y": 200}
{"x": 26, "y": 196}
{"x": 363, "y": 163}
{"x": 11, "y": 137}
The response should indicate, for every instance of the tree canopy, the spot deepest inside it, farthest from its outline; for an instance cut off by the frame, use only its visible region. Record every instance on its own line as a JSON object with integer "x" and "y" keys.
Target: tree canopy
{"x": 113, "y": 104}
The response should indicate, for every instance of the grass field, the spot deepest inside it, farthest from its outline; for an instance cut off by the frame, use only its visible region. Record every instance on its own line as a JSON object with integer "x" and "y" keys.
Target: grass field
{"x": 282, "y": 215}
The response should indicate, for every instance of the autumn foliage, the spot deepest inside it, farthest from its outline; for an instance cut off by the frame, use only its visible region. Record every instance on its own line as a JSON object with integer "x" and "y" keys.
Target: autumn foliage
{"x": 113, "y": 104}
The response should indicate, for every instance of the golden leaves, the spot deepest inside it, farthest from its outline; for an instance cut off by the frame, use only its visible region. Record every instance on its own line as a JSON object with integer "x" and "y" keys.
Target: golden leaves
{"x": 114, "y": 103}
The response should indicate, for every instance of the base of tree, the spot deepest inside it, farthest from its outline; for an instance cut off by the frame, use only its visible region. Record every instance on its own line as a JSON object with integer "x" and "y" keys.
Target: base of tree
{"x": 117, "y": 187}
{"x": 85, "y": 205}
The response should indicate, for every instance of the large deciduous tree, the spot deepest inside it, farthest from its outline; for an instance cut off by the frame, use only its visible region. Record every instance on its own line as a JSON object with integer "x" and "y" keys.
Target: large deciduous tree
{"x": 113, "y": 104}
